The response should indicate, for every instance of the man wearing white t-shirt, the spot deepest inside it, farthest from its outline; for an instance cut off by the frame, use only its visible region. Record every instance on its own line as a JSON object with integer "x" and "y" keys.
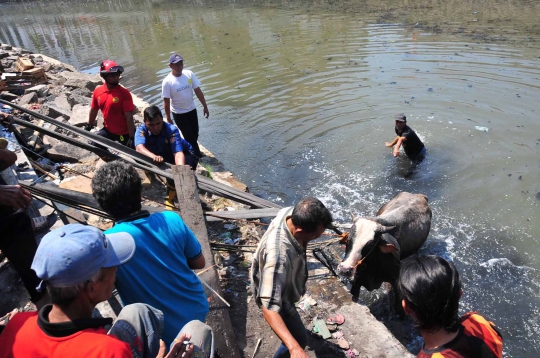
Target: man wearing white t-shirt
{"x": 177, "y": 92}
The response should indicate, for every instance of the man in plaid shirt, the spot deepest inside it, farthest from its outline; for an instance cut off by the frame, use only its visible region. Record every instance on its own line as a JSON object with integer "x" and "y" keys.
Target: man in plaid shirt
{"x": 279, "y": 271}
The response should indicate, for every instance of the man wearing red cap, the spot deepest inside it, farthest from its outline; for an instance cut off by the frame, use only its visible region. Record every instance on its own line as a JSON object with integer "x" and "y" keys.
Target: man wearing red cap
{"x": 177, "y": 91}
{"x": 115, "y": 103}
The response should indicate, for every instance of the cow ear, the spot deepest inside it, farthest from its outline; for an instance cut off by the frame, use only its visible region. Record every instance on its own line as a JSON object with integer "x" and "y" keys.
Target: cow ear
{"x": 381, "y": 229}
{"x": 388, "y": 248}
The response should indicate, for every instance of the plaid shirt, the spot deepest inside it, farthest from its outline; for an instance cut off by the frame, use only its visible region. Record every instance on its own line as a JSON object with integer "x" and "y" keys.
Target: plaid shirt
{"x": 279, "y": 270}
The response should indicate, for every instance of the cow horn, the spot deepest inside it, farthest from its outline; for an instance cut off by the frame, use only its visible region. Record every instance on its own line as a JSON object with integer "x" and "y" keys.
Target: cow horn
{"x": 381, "y": 229}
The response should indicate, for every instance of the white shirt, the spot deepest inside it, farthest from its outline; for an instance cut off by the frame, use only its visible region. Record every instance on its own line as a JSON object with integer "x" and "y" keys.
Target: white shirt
{"x": 180, "y": 91}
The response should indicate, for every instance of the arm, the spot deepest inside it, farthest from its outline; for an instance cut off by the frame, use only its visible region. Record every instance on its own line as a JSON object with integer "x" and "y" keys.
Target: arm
{"x": 278, "y": 326}
{"x": 7, "y": 159}
{"x": 167, "y": 106}
{"x": 142, "y": 149}
{"x": 198, "y": 263}
{"x": 200, "y": 96}
{"x": 179, "y": 158}
{"x": 398, "y": 144}
{"x": 392, "y": 143}
{"x": 92, "y": 116}
{"x": 130, "y": 124}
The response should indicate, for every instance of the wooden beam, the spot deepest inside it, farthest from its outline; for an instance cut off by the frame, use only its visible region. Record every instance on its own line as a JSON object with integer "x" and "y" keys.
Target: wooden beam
{"x": 191, "y": 211}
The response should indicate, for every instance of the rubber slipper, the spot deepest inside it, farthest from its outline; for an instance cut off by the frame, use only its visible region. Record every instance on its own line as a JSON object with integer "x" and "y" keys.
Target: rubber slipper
{"x": 44, "y": 222}
{"x": 337, "y": 319}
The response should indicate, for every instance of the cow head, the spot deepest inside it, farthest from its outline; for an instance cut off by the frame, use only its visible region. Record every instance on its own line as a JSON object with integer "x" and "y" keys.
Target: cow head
{"x": 364, "y": 239}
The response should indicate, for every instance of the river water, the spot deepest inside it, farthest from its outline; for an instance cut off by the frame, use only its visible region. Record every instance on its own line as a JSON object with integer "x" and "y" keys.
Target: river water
{"x": 302, "y": 96}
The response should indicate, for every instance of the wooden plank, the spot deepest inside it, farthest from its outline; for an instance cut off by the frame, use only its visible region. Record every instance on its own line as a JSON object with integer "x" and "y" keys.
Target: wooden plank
{"x": 241, "y": 214}
{"x": 191, "y": 211}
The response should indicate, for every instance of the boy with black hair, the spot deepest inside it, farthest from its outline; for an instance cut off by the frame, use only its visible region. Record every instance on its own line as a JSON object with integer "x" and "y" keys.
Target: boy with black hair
{"x": 430, "y": 288}
{"x": 160, "y": 273}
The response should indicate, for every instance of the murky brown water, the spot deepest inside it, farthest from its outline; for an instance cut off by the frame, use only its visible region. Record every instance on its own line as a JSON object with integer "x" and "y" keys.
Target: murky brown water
{"x": 302, "y": 96}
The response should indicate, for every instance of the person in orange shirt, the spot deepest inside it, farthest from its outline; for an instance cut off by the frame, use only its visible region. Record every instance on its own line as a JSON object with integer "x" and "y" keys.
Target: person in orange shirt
{"x": 430, "y": 289}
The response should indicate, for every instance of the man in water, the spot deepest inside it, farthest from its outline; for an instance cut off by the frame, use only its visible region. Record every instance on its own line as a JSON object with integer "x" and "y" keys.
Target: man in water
{"x": 430, "y": 288}
{"x": 413, "y": 146}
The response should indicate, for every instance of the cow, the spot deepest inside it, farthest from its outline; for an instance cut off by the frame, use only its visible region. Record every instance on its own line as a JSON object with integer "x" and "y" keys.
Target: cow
{"x": 376, "y": 245}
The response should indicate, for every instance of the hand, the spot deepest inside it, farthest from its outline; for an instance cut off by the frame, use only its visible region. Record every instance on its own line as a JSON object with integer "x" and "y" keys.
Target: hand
{"x": 169, "y": 120}
{"x": 205, "y": 111}
{"x": 129, "y": 143}
{"x": 396, "y": 153}
{"x": 178, "y": 349}
{"x": 15, "y": 196}
{"x": 298, "y": 352}
{"x": 158, "y": 159}
{"x": 7, "y": 121}
{"x": 388, "y": 144}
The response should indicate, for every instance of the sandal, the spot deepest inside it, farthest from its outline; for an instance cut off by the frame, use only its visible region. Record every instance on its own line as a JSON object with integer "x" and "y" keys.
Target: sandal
{"x": 336, "y": 319}
{"x": 44, "y": 222}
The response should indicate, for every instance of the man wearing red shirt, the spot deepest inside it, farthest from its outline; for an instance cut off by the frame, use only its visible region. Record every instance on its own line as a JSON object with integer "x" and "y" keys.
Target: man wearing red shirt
{"x": 116, "y": 104}
{"x": 78, "y": 266}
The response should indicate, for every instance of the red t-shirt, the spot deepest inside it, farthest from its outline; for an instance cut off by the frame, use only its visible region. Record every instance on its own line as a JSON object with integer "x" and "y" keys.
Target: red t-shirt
{"x": 23, "y": 338}
{"x": 113, "y": 103}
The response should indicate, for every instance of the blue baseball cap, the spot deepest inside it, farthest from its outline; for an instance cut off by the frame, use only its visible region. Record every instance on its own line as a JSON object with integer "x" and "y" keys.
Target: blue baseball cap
{"x": 74, "y": 253}
{"x": 175, "y": 58}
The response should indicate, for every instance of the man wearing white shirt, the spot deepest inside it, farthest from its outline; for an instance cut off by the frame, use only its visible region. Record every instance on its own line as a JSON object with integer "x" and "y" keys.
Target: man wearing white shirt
{"x": 177, "y": 92}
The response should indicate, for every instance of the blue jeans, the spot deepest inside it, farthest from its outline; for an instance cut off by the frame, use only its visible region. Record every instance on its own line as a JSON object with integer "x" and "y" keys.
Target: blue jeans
{"x": 141, "y": 325}
{"x": 296, "y": 327}
{"x": 201, "y": 336}
{"x": 419, "y": 157}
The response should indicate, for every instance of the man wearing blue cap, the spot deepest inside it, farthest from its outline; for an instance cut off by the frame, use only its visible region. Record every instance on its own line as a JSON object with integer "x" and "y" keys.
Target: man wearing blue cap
{"x": 177, "y": 92}
{"x": 78, "y": 265}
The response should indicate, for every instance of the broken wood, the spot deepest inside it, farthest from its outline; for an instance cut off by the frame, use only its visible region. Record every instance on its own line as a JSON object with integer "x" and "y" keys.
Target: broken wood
{"x": 40, "y": 169}
{"x": 191, "y": 211}
{"x": 35, "y": 136}
{"x": 241, "y": 214}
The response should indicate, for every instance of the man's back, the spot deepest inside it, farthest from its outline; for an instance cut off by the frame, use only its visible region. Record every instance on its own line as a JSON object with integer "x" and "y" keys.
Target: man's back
{"x": 159, "y": 274}
{"x": 24, "y": 337}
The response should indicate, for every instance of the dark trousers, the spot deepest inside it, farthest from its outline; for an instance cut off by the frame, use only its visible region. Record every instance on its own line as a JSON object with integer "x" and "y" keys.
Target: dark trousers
{"x": 188, "y": 123}
{"x": 296, "y": 327}
{"x": 17, "y": 242}
{"x": 123, "y": 139}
